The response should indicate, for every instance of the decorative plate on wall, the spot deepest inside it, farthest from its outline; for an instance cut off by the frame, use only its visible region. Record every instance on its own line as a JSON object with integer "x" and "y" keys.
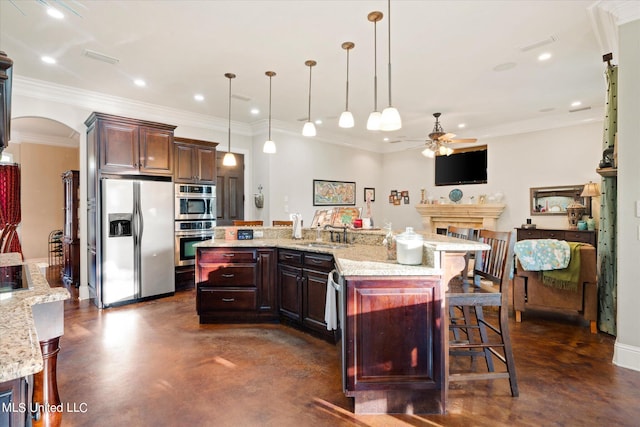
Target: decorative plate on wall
{"x": 455, "y": 195}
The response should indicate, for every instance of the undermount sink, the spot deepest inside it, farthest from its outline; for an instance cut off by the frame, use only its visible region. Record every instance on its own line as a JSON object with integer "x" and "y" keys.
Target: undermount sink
{"x": 326, "y": 245}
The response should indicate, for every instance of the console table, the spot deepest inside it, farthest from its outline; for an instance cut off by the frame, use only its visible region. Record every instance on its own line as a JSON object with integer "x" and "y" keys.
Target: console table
{"x": 529, "y": 292}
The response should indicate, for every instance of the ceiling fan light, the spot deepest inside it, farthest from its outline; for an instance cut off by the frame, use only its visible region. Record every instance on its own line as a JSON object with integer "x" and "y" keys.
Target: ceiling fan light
{"x": 373, "y": 123}
{"x": 309, "y": 129}
{"x": 229, "y": 159}
{"x": 449, "y": 151}
{"x": 346, "y": 120}
{"x": 390, "y": 119}
{"x": 428, "y": 152}
{"x": 269, "y": 147}
{"x": 442, "y": 150}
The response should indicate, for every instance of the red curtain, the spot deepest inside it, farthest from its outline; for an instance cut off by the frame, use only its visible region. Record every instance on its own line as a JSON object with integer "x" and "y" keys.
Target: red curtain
{"x": 10, "y": 213}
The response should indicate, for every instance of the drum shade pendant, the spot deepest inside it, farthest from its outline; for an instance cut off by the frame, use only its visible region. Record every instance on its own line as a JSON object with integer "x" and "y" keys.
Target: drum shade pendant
{"x": 229, "y": 159}
{"x": 309, "y": 128}
{"x": 390, "y": 119}
{"x": 373, "y": 123}
{"x": 269, "y": 146}
{"x": 346, "y": 118}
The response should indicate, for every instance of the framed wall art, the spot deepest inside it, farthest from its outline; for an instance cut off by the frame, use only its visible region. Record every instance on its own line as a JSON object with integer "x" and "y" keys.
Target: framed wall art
{"x": 333, "y": 193}
{"x": 369, "y": 194}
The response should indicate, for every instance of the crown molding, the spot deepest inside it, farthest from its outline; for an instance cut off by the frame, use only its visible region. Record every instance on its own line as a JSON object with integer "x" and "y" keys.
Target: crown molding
{"x": 96, "y": 101}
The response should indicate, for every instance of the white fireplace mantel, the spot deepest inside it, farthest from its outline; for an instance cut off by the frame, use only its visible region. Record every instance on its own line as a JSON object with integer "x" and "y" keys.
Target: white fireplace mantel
{"x": 436, "y": 216}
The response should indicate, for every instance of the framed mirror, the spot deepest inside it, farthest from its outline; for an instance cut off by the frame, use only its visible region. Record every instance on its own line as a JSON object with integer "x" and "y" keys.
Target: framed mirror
{"x": 554, "y": 200}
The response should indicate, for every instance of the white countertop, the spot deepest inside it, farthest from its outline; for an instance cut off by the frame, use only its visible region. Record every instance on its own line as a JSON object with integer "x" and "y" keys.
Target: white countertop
{"x": 20, "y": 353}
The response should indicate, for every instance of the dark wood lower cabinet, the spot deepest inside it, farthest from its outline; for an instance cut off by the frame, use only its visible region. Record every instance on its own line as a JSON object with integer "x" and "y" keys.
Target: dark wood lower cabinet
{"x": 15, "y": 403}
{"x": 302, "y": 290}
{"x": 235, "y": 284}
{"x": 394, "y": 345}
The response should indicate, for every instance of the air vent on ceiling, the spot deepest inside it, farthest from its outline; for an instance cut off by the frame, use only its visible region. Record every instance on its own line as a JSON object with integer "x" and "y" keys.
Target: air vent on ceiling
{"x": 575, "y": 110}
{"x": 241, "y": 97}
{"x": 540, "y": 43}
{"x": 100, "y": 56}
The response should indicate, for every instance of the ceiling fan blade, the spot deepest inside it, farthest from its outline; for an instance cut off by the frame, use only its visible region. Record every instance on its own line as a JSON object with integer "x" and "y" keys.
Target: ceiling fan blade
{"x": 395, "y": 141}
{"x": 463, "y": 140}
{"x": 447, "y": 136}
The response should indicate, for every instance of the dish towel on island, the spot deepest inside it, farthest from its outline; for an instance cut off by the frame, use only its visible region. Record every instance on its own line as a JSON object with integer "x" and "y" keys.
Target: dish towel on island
{"x": 566, "y": 278}
{"x": 330, "y": 314}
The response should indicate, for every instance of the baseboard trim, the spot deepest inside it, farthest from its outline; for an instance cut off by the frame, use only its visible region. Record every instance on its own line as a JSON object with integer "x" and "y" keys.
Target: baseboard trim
{"x": 626, "y": 356}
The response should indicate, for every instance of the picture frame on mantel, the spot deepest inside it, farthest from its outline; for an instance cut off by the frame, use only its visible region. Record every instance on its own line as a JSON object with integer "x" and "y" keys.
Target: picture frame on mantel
{"x": 334, "y": 193}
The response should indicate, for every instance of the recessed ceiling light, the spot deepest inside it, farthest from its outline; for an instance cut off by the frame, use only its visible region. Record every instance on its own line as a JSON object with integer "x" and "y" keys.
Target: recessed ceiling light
{"x": 255, "y": 111}
{"x": 54, "y": 13}
{"x": 461, "y": 125}
{"x": 140, "y": 82}
{"x": 385, "y": 139}
{"x": 576, "y": 103}
{"x": 198, "y": 97}
{"x": 544, "y": 56}
{"x": 48, "y": 60}
{"x": 318, "y": 122}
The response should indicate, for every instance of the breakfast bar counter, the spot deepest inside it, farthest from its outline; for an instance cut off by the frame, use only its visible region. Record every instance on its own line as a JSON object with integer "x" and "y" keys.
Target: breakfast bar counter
{"x": 392, "y": 323}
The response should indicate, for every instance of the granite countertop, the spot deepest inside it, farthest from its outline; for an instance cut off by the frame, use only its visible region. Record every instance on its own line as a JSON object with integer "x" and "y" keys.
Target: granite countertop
{"x": 363, "y": 259}
{"x": 19, "y": 348}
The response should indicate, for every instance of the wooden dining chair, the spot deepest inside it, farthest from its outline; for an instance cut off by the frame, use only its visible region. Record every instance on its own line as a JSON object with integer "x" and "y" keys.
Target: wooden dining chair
{"x": 277, "y": 223}
{"x": 237, "y": 222}
{"x": 492, "y": 341}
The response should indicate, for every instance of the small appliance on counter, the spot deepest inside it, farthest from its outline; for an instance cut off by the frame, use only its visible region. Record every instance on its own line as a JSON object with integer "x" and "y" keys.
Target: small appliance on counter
{"x": 244, "y": 234}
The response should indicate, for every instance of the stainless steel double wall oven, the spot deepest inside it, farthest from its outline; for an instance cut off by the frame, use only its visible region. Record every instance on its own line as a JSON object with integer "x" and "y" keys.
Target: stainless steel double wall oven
{"x": 195, "y": 219}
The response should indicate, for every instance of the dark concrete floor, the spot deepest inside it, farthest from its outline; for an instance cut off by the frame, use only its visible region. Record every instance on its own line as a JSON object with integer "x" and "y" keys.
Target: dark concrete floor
{"x": 153, "y": 364}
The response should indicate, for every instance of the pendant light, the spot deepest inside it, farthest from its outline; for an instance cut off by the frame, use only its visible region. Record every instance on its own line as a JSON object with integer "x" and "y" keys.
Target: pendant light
{"x": 373, "y": 123}
{"x": 346, "y": 118}
{"x": 309, "y": 128}
{"x": 269, "y": 146}
{"x": 229, "y": 159}
{"x": 390, "y": 119}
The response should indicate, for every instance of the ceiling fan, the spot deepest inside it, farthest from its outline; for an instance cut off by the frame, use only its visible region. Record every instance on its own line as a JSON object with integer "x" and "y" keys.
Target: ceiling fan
{"x": 439, "y": 140}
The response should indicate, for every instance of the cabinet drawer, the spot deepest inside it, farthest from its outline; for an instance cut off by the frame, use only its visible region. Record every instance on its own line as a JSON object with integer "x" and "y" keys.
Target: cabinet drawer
{"x": 318, "y": 261}
{"x": 576, "y": 236}
{"x": 528, "y": 234}
{"x": 290, "y": 257}
{"x": 228, "y": 275}
{"x": 552, "y": 234}
{"x": 224, "y": 255}
{"x": 226, "y": 299}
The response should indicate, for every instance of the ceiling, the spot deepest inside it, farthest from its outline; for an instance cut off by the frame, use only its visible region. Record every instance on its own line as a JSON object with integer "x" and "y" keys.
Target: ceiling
{"x": 446, "y": 57}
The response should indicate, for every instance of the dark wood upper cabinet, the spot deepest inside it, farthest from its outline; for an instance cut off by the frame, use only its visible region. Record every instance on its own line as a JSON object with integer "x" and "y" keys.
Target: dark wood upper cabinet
{"x": 6, "y": 66}
{"x": 195, "y": 161}
{"x": 129, "y": 146}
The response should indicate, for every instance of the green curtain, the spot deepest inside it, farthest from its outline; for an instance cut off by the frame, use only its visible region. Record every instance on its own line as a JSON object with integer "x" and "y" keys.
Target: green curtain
{"x": 607, "y": 272}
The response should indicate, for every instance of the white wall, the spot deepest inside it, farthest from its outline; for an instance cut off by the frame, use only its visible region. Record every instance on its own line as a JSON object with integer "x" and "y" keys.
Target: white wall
{"x": 287, "y": 176}
{"x": 564, "y": 156}
{"x": 627, "y": 348}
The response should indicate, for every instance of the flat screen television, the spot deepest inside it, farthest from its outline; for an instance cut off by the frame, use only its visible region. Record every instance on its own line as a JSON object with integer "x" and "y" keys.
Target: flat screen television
{"x": 465, "y": 167}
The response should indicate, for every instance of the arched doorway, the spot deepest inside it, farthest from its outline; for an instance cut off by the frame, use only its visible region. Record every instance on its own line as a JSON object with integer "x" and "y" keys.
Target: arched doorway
{"x": 44, "y": 149}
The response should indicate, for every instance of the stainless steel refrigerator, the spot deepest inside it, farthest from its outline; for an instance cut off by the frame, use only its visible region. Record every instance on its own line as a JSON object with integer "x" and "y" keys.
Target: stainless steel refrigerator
{"x": 137, "y": 250}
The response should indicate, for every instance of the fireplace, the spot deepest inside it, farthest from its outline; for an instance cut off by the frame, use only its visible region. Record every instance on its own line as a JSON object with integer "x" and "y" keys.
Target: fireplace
{"x": 437, "y": 216}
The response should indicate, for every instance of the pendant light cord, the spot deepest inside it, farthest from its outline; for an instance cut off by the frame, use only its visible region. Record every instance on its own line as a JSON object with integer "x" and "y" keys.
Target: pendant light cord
{"x": 346, "y": 108}
{"x": 229, "y": 135}
{"x": 389, "y": 47}
{"x": 309, "y": 113}
{"x": 375, "y": 66}
{"x": 269, "y": 108}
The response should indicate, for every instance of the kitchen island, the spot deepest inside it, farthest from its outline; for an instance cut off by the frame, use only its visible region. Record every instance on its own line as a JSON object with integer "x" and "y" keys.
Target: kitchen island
{"x": 31, "y": 322}
{"x": 392, "y": 317}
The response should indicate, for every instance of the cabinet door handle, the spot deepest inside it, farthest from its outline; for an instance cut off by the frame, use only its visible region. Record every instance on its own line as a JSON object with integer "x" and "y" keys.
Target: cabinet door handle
{"x": 288, "y": 257}
{"x": 228, "y": 275}
{"x": 228, "y": 299}
{"x": 228, "y": 255}
{"x": 315, "y": 261}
